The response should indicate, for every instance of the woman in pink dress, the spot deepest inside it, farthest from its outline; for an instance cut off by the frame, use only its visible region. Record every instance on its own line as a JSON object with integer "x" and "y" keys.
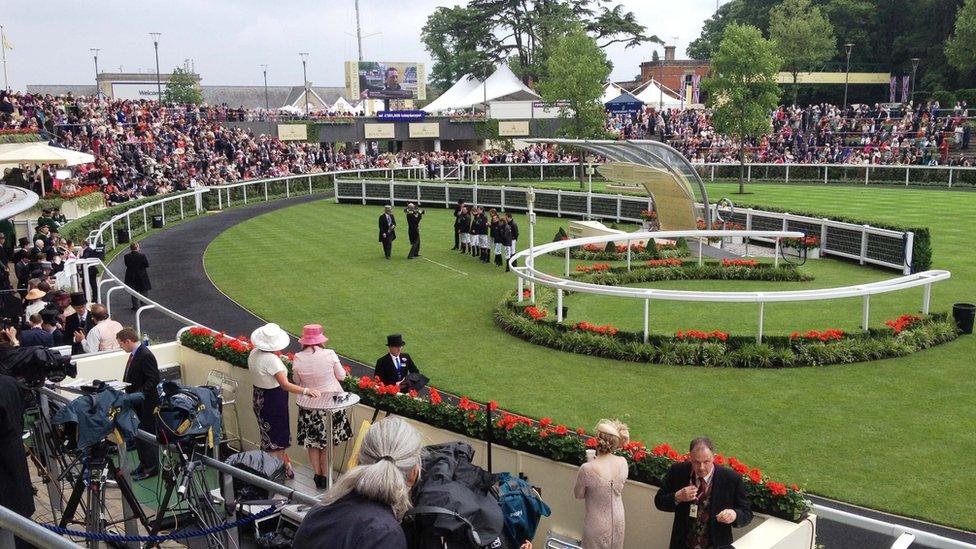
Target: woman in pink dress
{"x": 319, "y": 368}
{"x": 600, "y": 483}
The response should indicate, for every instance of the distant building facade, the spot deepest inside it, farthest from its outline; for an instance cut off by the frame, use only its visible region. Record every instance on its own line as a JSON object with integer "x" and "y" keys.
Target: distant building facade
{"x": 675, "y": 74}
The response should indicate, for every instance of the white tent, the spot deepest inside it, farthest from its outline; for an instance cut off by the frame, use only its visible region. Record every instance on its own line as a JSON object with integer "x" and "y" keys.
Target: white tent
{"x": 342, "y": 106}
{"x": 457, "y": 92}
{"x": 42, "y": 153}
{"x": 654, "y": 92}
{"x": 610, "y": 91}
{"x": 292, "y": 109}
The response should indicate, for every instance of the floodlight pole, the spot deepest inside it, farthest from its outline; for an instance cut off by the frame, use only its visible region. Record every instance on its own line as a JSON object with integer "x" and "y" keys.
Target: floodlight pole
{"x": 98, "y": 92}
{"x": 847, "y": 73}
{"x": 359, "y": 33}
{"x": 304, "y": 56}
{"x": 3, "y": 53}
{"x": 915, "y": 61}
{"x": 159, "y": 86}
{"x": 267, "y": 105}
{"x": 530, "y": 200}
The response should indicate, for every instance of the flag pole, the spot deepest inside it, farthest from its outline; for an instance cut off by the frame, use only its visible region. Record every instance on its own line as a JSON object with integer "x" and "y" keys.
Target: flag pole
{"x": 3, "y": 52}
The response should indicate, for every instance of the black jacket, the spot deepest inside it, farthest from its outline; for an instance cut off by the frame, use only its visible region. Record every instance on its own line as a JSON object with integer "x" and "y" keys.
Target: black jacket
{"x": 72, "y": 325}
{"x": 142, "y": 375}
{"x": 353, "y": 522}
{"x": 728, "y": 492}
{"x": 136, "y": 271}
{"x": 387, "y": 371}
{"x": 479, "y": 225}
{"x": 17, "y": 494}
{"x": 462, "y": 223}
{"x": 387, "y": 229}
{"x": 515, "y": 230}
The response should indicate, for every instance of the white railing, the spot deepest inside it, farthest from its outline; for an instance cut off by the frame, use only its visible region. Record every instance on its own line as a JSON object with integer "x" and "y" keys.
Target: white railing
{"x": 863, "y": 243}
{"x": 528, "y": 273}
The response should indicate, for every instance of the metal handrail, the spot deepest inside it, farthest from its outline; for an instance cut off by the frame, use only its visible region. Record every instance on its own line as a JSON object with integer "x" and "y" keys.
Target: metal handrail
{"x": 28, "y": 530}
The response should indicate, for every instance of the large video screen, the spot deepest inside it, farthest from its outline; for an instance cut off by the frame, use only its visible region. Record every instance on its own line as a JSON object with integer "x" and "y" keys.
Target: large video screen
{"x": 385, "y": 80}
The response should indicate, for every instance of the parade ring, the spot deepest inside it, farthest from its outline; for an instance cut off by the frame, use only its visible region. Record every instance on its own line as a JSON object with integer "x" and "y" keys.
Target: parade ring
{"x": 527, "y": 273}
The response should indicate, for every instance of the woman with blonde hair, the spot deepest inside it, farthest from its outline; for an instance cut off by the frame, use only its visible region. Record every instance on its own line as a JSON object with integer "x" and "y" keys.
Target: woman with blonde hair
{"x": 364, "y": 507}
{"x": 600, "y": 483}
{"x": 319, "y": 368}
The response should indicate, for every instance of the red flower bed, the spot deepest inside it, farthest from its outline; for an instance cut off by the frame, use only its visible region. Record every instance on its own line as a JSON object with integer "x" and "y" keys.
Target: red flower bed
{"x": 702, "y": 336}
{"x": 902, "y": 323}
{"x": 801, "y": 243}
{"x": 602, "y": 330}
{"x": 596, "y": 267}
{"x": 526, "y": 294}
{"x": 814, "y": 335}
{"x": 77, "y": 194}
{"x": 648, "y": 215}
{"x": 726, "y": 262}
{"x": 671, "y": 262}
{"x": 536, "y": 313}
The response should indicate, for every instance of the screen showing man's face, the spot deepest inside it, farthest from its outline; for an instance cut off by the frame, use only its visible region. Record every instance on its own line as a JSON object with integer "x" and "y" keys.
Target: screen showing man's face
{"x": 392, "y": 78}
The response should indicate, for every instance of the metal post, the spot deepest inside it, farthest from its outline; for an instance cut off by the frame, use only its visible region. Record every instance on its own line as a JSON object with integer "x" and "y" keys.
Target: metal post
{"x": 628, "y": 255}
{"x": 112, "y": 230}
{"x": 559, "y": 305}
{"x": 762, "y": 313}
{"x": 567, "y": 262}
{"x": 220, "y": 200}
{"x": 866, "y": 312}
{"x": 701, "y": 246}
{"x": 521, "y": 289}
{"x": 288, "y": 188}
{"x": 159, "y": 87}
{"x": 864, "y": 244}
{"x": 180, "y": 199}
{"x": 244, "y": 190}
{"x": 926, "y": 298}
{"x": 266, "y": 191}
{"x": 139, "y": 317}
{"x": 647, "y": 308}
{"x": 776, "y": 254}
{"x": 847, "y": 75}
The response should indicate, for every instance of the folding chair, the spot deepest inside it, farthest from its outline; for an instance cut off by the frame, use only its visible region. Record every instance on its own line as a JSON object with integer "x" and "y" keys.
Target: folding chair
{"x": 228, "y": 392}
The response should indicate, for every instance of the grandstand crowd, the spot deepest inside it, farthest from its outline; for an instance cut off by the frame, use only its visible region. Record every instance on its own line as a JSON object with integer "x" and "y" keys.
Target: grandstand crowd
{"x": 144, "y": 149}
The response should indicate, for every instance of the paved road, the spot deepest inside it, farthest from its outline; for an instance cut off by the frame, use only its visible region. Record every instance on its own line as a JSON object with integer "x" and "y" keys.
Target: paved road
{"x": 181, "y": 284}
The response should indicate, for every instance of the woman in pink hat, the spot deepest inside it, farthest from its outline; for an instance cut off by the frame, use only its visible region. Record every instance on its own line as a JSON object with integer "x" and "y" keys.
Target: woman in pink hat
{"x": 319, "y": 368}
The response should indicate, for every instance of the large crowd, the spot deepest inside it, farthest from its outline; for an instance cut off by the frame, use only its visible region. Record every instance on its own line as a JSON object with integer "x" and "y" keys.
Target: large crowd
{"x": 143, "y": 149}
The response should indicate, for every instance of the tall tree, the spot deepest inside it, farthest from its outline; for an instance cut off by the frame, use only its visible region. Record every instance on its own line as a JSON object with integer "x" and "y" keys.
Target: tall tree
{"x": 576, "y": 71}
{"x": 181, "y": 89}
{"x": 960, "y": 49}
{"x": 522, "y": 31}
{"x": 804, "y": 38}
{"x": 742, "y": 88}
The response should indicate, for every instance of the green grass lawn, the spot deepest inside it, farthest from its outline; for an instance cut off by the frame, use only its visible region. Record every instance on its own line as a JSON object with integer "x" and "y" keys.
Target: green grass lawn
{"x": 889, "y": 434}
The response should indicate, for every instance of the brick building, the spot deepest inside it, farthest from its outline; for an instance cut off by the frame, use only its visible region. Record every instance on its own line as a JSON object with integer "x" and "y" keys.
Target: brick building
{"x": 673, "y": 73}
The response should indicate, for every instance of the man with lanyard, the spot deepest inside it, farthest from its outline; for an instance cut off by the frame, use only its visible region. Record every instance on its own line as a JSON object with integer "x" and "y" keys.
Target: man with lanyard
{"x": 707, "y": 500}
{"x": 393, "y": 367}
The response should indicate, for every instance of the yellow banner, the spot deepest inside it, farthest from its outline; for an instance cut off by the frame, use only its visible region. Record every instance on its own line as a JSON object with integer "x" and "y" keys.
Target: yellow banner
{"x": 835, "y": 78}
{"x": 293, "y": 132}
{"x": 379, "y": 131}
{"x": 513, "y": 128}
{"x": 425, "y": 129}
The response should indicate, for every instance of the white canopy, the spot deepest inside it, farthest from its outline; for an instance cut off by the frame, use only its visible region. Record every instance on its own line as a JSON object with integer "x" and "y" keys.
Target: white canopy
{"x": 292, "y": 109}
{"x": 503, "y": 85}
{"x": 450, "y": 98}
{"x": 611, "y": 91}
{"x": 653, "y": 93}
{"x": 341, "y": 105}
{"x": 42, "y": 153}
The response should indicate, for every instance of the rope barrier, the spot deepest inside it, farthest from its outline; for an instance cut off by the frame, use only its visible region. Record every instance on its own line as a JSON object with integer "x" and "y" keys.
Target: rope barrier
{"x": 169, "y": 537}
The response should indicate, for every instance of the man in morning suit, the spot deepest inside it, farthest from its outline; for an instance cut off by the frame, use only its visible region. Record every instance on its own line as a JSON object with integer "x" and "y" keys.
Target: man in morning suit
{"x": 393, "y": 367}
{"x": 142, "y": 375}
{"x": 136, "y": 272}
{"x": 707, "y": 500}
{"x": 387, "y": 230}
{"x": 80, "y": 320}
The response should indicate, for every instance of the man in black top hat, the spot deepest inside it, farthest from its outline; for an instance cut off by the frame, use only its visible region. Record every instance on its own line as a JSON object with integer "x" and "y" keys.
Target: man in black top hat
{"x": 393, "y": 367}
{"x": 80, "y": 320}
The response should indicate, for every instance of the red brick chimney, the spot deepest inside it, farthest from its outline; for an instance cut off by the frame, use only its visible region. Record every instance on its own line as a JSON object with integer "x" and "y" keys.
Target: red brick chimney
{"x": 669, "y": 53}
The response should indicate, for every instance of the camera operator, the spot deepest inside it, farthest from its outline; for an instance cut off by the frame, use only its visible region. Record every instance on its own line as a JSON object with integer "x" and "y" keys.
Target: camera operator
{"x": 142, "y": 375}
{"x": 17, "y": 493}
{"x": 414, "y": 216}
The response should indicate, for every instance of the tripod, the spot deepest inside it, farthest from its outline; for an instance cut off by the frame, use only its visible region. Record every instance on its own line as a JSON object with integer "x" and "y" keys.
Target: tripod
{"x": 187, "y": 480}
{"x": 90, "y": 483}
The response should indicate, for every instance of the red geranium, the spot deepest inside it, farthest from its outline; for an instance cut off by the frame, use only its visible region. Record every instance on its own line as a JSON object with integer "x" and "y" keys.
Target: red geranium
{"x": 535, "y": 313}
{"x": 606, "y": 329}
{"x": 755, "y": 475}
{"x": 492, "y": 405}
{"x": 435, "y": 396}
{"x": 596, "y": 267}
{"x": 591, "y": 442}
{"x": 670, "y": 262}
{"x": 814, "y": 335}
{"x": 714, "y": 335}
{"x": 776, "y": 488}
{"x": 902, "y": 323}
{"x": 726, "y": 262}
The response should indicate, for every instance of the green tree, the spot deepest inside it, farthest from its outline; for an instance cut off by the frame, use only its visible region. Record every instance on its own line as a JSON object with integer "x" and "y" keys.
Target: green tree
{"x": 960, "y": 49}
{"x": 576, "y": 71}
{"x": 804, "y": 38}
{"x": 458, "y": 43}
{"x": 742, "y": 88}
{"x": 182, "y": 89}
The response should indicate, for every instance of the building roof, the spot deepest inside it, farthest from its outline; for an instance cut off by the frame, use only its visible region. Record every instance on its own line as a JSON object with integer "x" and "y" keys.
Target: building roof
{"x": 251, "y": 97}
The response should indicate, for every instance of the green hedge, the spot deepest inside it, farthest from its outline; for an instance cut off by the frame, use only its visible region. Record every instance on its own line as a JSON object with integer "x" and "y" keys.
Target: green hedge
{"x": 79, "y": 229}
{"x": 619, "y": 276}
{"x": 86, "y": 202}
{"x": 734, "y": 352}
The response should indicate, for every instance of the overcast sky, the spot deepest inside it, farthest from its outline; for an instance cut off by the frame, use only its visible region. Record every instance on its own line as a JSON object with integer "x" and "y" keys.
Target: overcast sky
{"x": 229, "y": 40}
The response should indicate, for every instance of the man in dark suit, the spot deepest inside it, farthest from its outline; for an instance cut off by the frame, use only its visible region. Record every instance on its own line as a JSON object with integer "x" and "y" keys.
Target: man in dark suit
{"x": 414, "y": 216}
{"x": 80, "y": 320}
{"x": 136, "y": 273}
{"x": 393, "y": 367}
{"x": 36, "y": 336}
{"x": 387, "y": 225}
{"x": 457, "y": 228}
{"x": 707, "y": 500}
{"x": 142, "y": 375}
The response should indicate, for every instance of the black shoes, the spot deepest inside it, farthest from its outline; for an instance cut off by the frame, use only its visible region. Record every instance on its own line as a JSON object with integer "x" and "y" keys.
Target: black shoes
{"x": 320, "y": 482}
{"x": 140, "y": 474}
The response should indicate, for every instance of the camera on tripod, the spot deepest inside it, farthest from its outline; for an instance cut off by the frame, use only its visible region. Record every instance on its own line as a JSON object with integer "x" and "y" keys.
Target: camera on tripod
{"x": 32, "y": 365}
{"x": 188, "y": 414}
{"x": 101, "y": 410}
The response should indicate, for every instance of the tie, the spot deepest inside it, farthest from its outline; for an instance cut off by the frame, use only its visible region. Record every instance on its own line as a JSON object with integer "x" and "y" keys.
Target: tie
{"x": 128, "y": 363}
{"x": 399, "y": 368}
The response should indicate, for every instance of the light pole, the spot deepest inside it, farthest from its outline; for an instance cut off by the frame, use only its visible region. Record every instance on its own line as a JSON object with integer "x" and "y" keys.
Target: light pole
{"x": 847, "y": 73}
{"x": 304, "y": 56}
{"x": 915, "y": 61}
{"x": 660, "y": 85}
{"x": 264, "y": 69}
{"x": 530, "y": 200}
{"x": 159, "y": 86}
{"x": 98, "y": 93}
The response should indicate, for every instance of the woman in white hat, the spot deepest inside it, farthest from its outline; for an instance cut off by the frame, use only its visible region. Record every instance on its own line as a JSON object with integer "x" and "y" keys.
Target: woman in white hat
{"x": 271, "y": 387}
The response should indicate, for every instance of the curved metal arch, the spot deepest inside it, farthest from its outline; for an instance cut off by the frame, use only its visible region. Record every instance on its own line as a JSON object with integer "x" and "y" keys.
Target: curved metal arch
{"x": 645, "y": 152}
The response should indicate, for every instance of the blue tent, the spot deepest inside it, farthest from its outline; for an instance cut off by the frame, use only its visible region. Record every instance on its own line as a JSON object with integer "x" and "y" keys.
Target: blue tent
{"x": 625, "y": 103}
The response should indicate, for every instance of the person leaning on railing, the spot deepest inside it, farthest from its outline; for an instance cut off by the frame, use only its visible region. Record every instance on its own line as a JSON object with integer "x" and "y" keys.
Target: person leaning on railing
{"x": 601, "y": 482}
{"x": 364, "y": 508}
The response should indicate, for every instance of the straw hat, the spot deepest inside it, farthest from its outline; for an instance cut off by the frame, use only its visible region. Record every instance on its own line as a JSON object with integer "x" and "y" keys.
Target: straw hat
{"x": 270, "y": 337}
{"x": 35, "y": 294}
